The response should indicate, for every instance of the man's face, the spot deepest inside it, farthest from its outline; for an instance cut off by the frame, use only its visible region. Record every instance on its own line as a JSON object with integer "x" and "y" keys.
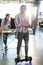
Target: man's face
{"x": 23, "y": 9}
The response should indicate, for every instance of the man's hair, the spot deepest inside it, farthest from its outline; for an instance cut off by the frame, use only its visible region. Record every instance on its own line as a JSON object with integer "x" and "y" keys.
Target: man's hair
{"x": 23, "y": 6}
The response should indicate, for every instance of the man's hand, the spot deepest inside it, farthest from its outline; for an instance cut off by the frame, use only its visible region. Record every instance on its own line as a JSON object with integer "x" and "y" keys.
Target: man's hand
{"x": 25, "y": 25}
{"x": 28, "y": 25}
{"x": 22, "y": 25}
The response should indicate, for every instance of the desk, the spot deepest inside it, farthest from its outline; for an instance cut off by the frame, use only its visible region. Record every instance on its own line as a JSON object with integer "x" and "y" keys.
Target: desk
{"x": 9, "y": 31}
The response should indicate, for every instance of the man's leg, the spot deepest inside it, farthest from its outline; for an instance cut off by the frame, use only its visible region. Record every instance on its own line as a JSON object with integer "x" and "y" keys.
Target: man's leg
{"x": 34, "y": 30}
{"x": 26, "y": 39}
{"x": 20, "y": 36}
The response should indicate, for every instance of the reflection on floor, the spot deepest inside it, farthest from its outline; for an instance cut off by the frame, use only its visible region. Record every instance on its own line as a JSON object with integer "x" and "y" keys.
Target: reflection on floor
{"x": 35, "y": 49}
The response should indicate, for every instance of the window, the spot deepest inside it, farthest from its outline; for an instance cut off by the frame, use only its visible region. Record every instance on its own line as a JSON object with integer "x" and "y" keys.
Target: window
{"x": 40, "y": 12}
{"x": 14, "y": 8}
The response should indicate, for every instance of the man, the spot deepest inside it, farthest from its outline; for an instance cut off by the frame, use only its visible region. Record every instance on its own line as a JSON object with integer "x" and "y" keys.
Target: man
{"x": 34, "y": 24}
{"x": 22, "y": 24}
{"x": 5, "y": 26}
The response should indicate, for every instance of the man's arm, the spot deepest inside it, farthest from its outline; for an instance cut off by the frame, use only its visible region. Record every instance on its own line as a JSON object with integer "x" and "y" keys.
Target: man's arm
{"x": 17, "y": 21}
{"x": 26, "y": 25}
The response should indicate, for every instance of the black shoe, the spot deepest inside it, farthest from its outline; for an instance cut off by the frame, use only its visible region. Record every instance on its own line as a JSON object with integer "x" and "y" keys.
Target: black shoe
{"x": 6, "y": 48}
{"x": 18, "y": 58}
{"x": 27, "y": 57}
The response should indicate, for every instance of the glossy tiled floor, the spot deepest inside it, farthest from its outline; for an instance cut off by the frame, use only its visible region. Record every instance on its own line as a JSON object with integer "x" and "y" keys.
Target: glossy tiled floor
{"x": 35, "y": 49}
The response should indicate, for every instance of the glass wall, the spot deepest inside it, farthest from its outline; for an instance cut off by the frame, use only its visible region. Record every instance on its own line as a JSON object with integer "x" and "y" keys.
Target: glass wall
{"x": 14, "y": 8}
{"x": 40, "y": 12}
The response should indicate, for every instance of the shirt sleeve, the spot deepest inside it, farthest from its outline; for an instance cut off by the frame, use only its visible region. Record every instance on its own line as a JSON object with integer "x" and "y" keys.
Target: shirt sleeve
{"x": 17, "y": 21}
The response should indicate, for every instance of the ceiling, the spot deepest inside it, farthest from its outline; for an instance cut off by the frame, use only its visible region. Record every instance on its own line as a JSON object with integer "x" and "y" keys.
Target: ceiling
{"x": 35, "y": 2}
{"x": 18, "y": 0}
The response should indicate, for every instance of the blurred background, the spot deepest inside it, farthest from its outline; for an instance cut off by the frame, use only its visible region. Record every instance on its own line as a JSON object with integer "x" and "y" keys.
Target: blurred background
{"x": 35, "y": 15}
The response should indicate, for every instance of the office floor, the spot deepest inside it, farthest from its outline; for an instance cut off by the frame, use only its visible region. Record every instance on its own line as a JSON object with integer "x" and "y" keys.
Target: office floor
{"x": 35, "y": 49}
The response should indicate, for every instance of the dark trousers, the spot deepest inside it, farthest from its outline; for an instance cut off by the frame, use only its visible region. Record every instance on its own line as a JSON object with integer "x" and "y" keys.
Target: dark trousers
{"x": 5, "y": 35}
{"x": 21, "y": 36}
{"x": 34, "y": 30}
